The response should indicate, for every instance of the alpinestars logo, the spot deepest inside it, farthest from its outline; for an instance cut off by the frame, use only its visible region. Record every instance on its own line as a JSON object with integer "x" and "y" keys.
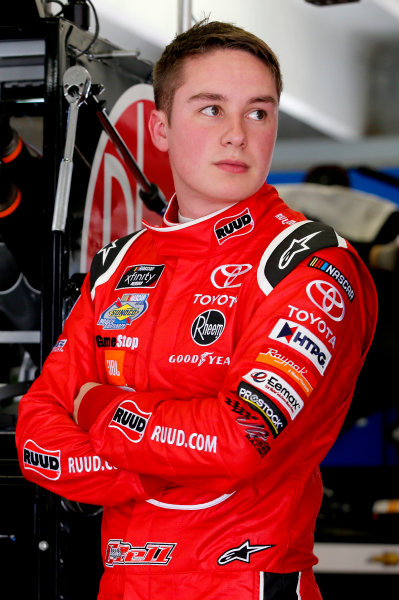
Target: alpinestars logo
{"x": 123, "y": 553}
{"x": 295, "y": 247}
{"x": 242, "y": 553}
{"x": 230, "y": 227}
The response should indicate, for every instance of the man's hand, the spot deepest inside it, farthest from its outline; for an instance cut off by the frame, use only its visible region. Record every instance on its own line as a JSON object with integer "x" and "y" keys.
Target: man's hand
{"x": 85, "y": 388}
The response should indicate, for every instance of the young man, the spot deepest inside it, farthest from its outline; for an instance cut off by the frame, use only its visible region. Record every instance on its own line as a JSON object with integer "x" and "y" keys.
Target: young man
{"x": 208, "y": 363}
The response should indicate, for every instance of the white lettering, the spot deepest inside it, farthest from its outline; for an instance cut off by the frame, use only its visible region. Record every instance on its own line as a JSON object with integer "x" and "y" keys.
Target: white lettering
{"x": 195, "y": 358}
{"x": 177, "y": 437}
{"x": 220, "y": 299}
{"x": 87, "y": 464}
{"x": 303, "y": 315}
{"x": 125, "y": 341}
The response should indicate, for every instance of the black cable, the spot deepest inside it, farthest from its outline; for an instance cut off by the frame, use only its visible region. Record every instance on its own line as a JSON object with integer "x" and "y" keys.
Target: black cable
{"x": 96, "y": 30}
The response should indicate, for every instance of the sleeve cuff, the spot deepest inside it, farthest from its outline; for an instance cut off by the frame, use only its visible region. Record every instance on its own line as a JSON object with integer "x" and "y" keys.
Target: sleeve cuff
{"x": 94, "y": 402}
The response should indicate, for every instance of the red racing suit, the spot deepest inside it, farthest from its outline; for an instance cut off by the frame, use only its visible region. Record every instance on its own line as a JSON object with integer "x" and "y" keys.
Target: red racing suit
{"x": 227, "y": 350}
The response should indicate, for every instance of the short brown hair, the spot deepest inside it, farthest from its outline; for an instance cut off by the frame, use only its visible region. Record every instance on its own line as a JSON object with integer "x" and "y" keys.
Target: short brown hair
{"x": 205, "y": 37}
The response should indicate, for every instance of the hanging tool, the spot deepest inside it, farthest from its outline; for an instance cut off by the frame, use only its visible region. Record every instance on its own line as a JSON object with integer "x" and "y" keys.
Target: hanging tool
{"x": 76, "y": 83}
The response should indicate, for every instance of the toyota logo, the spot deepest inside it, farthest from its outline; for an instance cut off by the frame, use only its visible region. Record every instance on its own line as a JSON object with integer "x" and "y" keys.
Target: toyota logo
{"x": 327, "y": 298}
{"x": 225, "y": 275}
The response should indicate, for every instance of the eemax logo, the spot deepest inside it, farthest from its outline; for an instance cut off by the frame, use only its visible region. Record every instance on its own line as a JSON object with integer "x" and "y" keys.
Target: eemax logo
{"x": 230, "y": 227}
{"x": 130, "y": 420}
{"x": 303, "y": 341}
{"x": 46, "y": 463}
{"x": 275, "y": 386}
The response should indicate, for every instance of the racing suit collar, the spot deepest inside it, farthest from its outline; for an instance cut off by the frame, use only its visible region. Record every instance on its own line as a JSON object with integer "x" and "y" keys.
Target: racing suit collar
{"x": 215, "y": 232}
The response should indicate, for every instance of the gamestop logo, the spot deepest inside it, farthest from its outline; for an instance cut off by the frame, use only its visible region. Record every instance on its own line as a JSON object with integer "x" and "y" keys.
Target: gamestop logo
{"x": 303, "y": 341}
{"x": 46, "y": 463}
{"x": 230, "y": 227}
{"x": 130, "y": 420}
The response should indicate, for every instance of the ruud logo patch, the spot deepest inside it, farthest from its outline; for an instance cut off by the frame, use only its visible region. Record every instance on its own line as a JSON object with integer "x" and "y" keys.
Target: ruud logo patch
{"x": 130, "y": 420}
{"x": 234, "y": 226}
{"x": 45, "y": 462}
{"x": 208, "y": 327}
{"x": 140, "y": 276}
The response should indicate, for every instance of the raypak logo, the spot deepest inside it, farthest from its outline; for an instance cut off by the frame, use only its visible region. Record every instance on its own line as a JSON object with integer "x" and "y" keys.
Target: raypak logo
{"x": 46, "y": 463}
{"x": 303, "y": 341}
{"x": 326, "y": 297}
{"x": 230, "y": 227}
{"x": 208, "y": 327}
{"x": 130, "y": 420}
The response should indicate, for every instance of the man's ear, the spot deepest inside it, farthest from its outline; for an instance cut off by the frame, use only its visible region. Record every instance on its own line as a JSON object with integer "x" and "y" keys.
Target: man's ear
{"x": 158, "y": 124}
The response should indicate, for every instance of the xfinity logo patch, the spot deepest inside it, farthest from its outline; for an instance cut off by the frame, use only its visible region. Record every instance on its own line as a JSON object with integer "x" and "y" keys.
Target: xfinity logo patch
{"x": 46, "y": 463}
{"x": 130, "y": 420}
{"x": 242, "y": 553}
{"x": 140, "y": 276}
{"x": 303, "y": 341}
{"x": 230, "y": 227}
{"x": 326, "y": 296}
{"x": 208, "y": 327}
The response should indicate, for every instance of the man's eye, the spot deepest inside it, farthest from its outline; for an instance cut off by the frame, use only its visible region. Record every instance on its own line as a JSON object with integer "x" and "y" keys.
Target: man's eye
{"x": 257, "y": 115}
{"x": 211, "y": 111}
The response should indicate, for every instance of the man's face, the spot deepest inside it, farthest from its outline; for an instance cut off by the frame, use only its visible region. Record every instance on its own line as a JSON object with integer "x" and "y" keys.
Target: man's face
{"x": 222, "y": 130}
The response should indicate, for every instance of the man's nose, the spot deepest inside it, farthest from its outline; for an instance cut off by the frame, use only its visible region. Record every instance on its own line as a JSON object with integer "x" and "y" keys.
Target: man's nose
{"x": 234, "y": 133}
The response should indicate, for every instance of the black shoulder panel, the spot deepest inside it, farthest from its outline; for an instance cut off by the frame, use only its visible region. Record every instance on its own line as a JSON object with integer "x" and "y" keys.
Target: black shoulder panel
{"x": 106, "y": 256}
{"x": 291, "y": 247}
